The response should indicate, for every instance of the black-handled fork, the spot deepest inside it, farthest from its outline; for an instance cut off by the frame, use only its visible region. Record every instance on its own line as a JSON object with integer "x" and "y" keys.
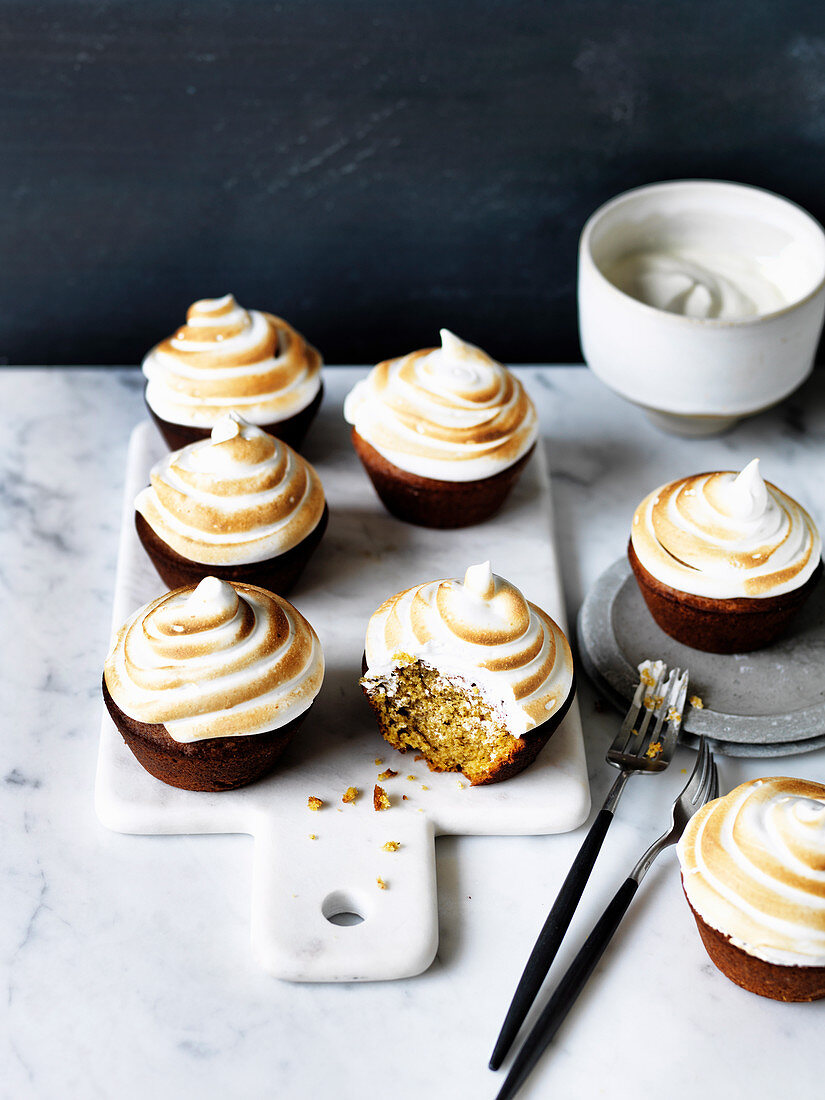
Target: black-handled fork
{"x": 701, "y": 787}
{"x": 644, "y": 744}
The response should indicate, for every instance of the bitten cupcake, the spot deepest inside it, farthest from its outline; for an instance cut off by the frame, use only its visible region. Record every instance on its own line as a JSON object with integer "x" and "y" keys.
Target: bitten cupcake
{"x": 240, "y": 505}
{"x": 469, "y": 674}
{"x": 753, "y": 872}
{"x": 724, "y": 560}
{"x": 209, "y": 683}
{"x": 443, "y": 433}
{"x": 228, "y": 358}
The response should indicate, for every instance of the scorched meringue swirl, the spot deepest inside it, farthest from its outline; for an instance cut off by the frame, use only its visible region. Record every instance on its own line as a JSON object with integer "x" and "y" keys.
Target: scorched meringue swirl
{"x": 725, "y": 535}
{"x": 484, "y": 631}
{"x": 226, "y": 357}
{"x": 216, "y": 660}
{"x": 753, "y": 867}
{"x": 240, "y": 496}
{"x": 450, "y": 413}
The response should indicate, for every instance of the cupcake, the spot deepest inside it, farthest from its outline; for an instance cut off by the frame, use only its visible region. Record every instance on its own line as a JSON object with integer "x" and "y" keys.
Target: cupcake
{"x": 753, "y": 872}
{"x": 443, "y": 433}
{"x": 228, "y": 358}
{"x": 209, "y": 683}
{"x": 724, "y": 560}
{"x": 239, "y": 505}
{"x": 468, "y": 674}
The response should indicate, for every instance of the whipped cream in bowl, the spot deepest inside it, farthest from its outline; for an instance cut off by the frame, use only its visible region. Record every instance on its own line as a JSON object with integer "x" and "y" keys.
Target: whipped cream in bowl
{"x": 702, "y": 301}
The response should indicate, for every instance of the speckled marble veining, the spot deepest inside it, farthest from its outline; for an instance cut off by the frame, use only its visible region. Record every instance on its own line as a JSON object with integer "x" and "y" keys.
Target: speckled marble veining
{"x": 127, "y": 959}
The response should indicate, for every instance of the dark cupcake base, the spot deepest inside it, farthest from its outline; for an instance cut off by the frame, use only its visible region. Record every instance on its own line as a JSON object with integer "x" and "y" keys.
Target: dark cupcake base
{"x": 780, "y": 983}
{"x": 525, "y": 750}
{"x": 215, "y": 764}
{"x": 737, "y": 625}
{"x": 292, "y": 430}
{"x": 277, "y": 574}
{"x": 431, "y": 503}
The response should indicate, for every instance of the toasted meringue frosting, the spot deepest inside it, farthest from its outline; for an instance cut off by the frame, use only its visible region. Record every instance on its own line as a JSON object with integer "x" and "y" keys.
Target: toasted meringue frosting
{"x": 753, "y": 867}
{"x": 241, "y": 496}
{"x": 226, "y": 357}
{"x": 450, "y": 413}
{"x": 726, "y": 535}
{"x": 215, "y": 660}
{"x": 481, "y": 630}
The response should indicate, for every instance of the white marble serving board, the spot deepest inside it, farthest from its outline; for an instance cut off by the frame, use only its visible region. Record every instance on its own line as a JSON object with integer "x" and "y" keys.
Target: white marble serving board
{"x": 299, "y": 882}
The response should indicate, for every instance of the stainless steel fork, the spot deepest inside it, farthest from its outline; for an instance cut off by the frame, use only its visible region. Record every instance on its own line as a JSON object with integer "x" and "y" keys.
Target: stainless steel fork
{"x": 701, "y": 787}
{"x": 644, "y": 744}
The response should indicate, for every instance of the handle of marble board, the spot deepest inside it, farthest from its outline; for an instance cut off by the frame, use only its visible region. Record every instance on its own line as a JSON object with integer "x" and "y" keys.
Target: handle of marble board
{"x": 313, "y": 880}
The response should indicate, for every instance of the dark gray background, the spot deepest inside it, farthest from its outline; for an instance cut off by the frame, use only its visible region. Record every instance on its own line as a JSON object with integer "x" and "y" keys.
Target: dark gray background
{"x": 369, "y": 170}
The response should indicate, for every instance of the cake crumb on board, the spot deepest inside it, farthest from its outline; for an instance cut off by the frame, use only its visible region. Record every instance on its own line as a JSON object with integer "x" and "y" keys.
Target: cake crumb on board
{"x": 380, "y": 798}
{"x": 314, "y": 803}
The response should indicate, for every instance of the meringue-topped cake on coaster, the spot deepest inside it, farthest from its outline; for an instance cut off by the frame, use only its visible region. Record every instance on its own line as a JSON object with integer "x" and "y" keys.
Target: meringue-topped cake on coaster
{"x": 469, "y": 674}
{"x": 724, "y": 560}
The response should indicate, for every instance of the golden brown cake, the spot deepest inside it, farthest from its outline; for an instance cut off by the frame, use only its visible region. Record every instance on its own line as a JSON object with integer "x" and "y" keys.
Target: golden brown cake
{"x": 209, "y": 683}
{"x": 442, "y": 433}
{"x": 226, "y": 358}
{"x": 753, "y": 872}
{"x": 724, "y": 560}
{"x": 240, "y": 505}
{"x": 468, "y": 674}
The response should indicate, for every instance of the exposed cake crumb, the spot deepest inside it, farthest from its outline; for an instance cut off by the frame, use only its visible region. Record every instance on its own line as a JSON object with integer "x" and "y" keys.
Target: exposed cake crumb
{"x": 390, "y": 846}
{"x": 424, "y": 787}
{"x": 461, "y": 786}
{"x": 647, "y": 677}
{"x": 411, "y": 778}
{"x": 653, "y": 750}
{"x": 404, "y": 798}
{"x": 388, "y": 774}
{"x": 381, "y": 884}
{"x": 653, "y": 702}
{"x": 350, "y": 794}
{"x": 378, "y": 761}
{"x": 312, "y": 836}
{"x": 380, "y": 798}
{"x": 696, "y": 702}
{"x": 447, "y": 720}
{"x": 315, "y": 803}
{"x": 673, "y": 715}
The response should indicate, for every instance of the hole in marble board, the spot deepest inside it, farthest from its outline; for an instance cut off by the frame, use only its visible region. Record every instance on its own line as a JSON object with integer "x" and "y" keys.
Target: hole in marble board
{"x": 339, "y": 908}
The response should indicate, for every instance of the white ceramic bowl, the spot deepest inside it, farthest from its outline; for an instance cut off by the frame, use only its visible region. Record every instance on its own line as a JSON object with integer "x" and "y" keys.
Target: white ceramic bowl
{"x": 699, "y": 375}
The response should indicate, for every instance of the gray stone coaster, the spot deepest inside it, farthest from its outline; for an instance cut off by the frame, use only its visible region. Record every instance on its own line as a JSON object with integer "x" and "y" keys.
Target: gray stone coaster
{"x": 767, "y": 703}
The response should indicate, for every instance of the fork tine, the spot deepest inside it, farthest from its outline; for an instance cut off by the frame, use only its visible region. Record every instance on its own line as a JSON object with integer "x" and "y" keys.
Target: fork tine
{"x": 675, "y": 706}
{"x": 637, "y": 735}
{"x": 701, "y": 775}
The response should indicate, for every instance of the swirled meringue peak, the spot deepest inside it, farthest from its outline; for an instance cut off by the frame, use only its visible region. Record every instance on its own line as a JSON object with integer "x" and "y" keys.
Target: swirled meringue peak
{"x": 725, "y": 535}
{"x": 450, "y": 413}
{"x": 481, "y": 630}
{"x": 226, "y": 357}
{"x": 215, "y": 660}
{"x": 753, "y": 867}
{"x": 240, "y": 496}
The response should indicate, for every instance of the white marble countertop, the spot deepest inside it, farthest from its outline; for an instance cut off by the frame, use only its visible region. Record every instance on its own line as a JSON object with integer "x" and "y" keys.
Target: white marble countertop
{"x": 127, "y": 957}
